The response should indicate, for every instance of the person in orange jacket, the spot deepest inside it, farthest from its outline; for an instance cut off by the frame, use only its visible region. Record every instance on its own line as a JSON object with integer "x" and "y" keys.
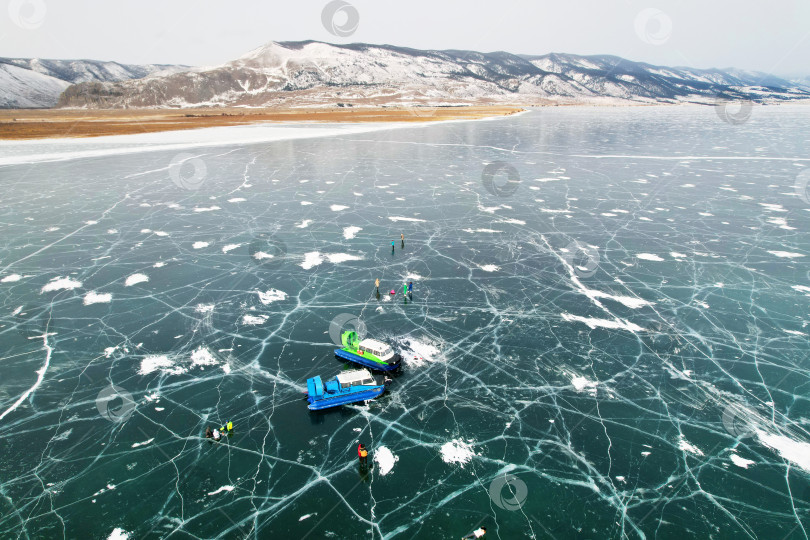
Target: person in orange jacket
{"x": 362, "y": 453}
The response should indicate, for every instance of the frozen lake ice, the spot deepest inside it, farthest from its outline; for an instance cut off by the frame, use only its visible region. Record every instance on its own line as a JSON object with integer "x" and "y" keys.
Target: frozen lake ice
{"x": 607, "y": 336}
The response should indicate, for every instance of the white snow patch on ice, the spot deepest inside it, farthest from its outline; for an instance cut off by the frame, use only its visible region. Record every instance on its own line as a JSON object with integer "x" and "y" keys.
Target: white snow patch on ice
{"x": 457, "y": 451}
{"x": 60, "y": 283}
{"x": 399, "y": 218}
{"x": 686, "y": 446}
{"x": 144, "y": 443}
{"x": 351, "y": 232}
{"x": 797, "y": 452}
{"x": 630, "y": 301}
{"x": 786, "y": 254}
{"x": 419, "y": 353}
{"x": 118, "y": 534}
{"x": 134, "y": 279}
{"x": 272, "y": 295}
{"x": 220, "y": 490}
{"x": 336, "y": 258}
{"x": 773, "y": 207}
{"x": 203, "y": 357}
{"x": 311, "y": 259}
{"x": 649, "y": 257}
{"x": 741, "y": 461}
{"x": 159, "y": 362}
{"x": 200, "y": 245}
{"x": 11, "y": 278}
{"x": 314, "y": 258}
{"x": 580, "y": 383}
{"x": 97, "y": 298}
{"x": 385, "y": 460}
{"x": 603, "y": 323}
{"x": 254, "y": 320}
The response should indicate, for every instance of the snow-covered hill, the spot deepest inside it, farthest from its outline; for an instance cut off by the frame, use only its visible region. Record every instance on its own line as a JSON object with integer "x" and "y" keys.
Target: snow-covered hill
{"x": 36, "y": 83}
{"x": 311, "y": 73}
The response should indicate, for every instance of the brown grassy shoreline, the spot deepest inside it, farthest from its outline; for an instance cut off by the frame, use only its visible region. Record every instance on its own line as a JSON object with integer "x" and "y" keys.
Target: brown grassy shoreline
{"x": 20, "y": 124}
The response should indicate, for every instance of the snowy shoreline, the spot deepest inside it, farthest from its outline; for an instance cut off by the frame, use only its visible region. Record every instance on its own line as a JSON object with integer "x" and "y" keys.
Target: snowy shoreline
{"x": 60, "y": 149}
{"x": 22, "y": 152}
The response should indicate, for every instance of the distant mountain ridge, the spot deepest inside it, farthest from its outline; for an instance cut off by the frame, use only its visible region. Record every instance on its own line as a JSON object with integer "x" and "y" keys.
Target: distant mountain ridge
{"x": 317, "y": 74}
{"x": 37, "y": 83}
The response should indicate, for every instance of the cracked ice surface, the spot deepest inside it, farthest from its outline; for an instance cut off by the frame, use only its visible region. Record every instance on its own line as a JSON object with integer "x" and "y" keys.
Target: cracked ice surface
{"x": 664, "y": 394}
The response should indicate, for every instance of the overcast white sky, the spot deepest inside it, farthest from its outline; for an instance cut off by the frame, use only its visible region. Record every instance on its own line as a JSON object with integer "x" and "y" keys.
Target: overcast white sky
{"x": 772, "y": 36}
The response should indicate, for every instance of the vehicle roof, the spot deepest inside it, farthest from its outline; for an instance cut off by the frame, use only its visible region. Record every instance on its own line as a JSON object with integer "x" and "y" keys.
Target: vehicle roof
{"x": 355, "y": 375}
{"x": 374, "y": 344}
